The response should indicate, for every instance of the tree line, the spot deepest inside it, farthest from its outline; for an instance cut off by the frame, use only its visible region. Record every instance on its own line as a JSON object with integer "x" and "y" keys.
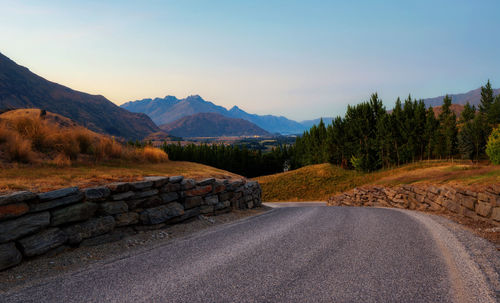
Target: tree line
{"x": 369, "y": 137}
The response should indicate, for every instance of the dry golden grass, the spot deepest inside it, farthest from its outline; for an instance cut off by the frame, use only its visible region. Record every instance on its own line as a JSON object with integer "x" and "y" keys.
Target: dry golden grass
{"x": 27, "y": 136}
{"x": 49, "y": 177}
{"x": 319, "y": 182}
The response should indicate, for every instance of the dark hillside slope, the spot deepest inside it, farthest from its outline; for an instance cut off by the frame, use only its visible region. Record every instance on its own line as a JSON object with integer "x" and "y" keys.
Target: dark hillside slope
{"x": 20, "y": 88}
{"x": 212, "y": 125}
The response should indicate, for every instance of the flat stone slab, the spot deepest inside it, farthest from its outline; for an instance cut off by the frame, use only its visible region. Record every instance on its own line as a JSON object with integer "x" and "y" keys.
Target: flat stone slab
{"x": 67, "y": 200}
{"x": 161, "y": 214}
{"x": 42, "y": 242}
{"x": 91, "y": 228}
{"x": 73, "y": 213}
{"x": 96, "y": 193}
{"x": 17, "y": 197}
{"x": 17, "y": 228}
{"x": 56, "y": 194}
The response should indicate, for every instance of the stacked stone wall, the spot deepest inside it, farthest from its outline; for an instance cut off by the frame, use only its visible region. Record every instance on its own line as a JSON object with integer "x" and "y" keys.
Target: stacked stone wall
{"x": 478, "y": 205}
{"x": 35, "y": 224}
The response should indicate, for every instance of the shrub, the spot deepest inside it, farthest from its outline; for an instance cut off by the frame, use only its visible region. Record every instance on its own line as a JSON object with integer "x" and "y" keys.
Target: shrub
{"x": 493, "y": 146}
{"x": 84, "y": 140}
{"x": 61, "y": 160}
{"x": 36, "y": 130}
{"x": 19, "y": 149}
{"x": 154, "y": 155}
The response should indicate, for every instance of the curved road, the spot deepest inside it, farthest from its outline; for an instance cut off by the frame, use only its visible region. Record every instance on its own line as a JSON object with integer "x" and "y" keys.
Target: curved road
{"x": 289, "y": 254}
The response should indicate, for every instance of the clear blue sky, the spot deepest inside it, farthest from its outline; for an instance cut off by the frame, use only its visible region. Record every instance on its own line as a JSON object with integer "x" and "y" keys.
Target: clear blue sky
{"x": 301, "y": 59}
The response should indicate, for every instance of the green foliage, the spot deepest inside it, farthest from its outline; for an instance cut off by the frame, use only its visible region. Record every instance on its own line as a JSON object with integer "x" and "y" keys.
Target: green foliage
{"x": 468, "y": 113}
{"x": 472, "y": 138}
{"x": 493, "y": 146}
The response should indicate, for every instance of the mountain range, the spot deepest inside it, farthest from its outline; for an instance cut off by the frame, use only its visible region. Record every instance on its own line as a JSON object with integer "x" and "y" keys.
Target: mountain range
{"x": 473, "y": 97}
{"x": 170, "y": 109}
{"x": 212, "y": 125}
{"x": 20, "y": 88}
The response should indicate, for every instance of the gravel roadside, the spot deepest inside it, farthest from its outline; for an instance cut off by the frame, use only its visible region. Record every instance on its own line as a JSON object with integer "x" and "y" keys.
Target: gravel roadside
{"x": 69, "y": 259}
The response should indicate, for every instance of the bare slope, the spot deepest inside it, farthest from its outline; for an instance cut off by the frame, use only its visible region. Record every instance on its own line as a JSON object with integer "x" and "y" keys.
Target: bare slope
{"x": 20, "y": 88}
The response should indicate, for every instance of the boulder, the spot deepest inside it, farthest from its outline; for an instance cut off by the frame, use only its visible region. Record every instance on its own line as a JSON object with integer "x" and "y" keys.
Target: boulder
{"x": 20, "y": 227}
{"x": 145, "y": 194}
{"x": 144, "y": 203}
{"x": 171, "y": 187}
{"x": 495, "y": 215}
{"x": 483, "y": 209}
{"x": 176, "y": 179}
{"x": 123, "y": 196}
{"x": 125, "y": 219}
{"x": 112, "y": 208}
{"x": 96, "y": 193}
{"x": 91, "y": 228}
{"x": 207, "y": 181}
{"x": 73, "y": 213}
{"x": 190, "y": 213}
{"x": 141, "y": 185}
{"x": 13, "y": 210}
{"x": 192, "y": 202}
{"x": 158, "y": 181}
{"x": 57, "y": 194}
{"x": 9, "y": 255}
{"x": 212, "y": 200}
{"x": 17, "y": 197}
{"x": 169, "y": 197}
{"x": 199, "y": 191}
{"x": 188, "y": 184}
{"x": 206, "y": 209}
{"x": 118, "y": 187}
{"x": 42, "y": 242}
{"x": 161, "y": 214}
{"x": 66, "y": 200}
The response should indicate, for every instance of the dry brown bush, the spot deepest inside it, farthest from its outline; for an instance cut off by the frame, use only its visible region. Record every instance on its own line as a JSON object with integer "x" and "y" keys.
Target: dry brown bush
{"x": 154, "y": 155}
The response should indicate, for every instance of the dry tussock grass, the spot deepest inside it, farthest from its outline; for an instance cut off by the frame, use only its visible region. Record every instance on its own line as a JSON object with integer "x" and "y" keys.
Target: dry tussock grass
{"x": 30, "y": 138}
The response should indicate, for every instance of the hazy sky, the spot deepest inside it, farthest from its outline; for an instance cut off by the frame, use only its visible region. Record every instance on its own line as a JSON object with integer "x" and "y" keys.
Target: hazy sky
{"x": 301, "y": 59}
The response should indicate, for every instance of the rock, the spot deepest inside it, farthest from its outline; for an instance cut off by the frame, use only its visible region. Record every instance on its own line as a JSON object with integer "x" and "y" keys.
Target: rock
{"x": 125, "y": 219}
{"x": 161, "y": 214}
{"x": 144, "y": 203}
{"x": 495, "y": 215}
{"x": 141, "y": 185}
{"x": 211, "y": 200}
{"x": 91, "y": 228}
{"x": 169, "y": 197}
{"x": 67, "y": 200}
{"x": 207, "y": 181}
{"x": 57, "y": 194}
{"x": 149, "y": 227}
{"x": 17, "y": 197}
{"x": 96, "y": 193}
{"x": 112, "y": 208}
{"x": 171, "y": 187}
{"x": 103, "y": 239}
{"x": 13, "y": 210}
{"x": 158, "y": 181}
{"x": 73, "y": 213}
{"x": 176, "y": 179}
{"x": 192, "y": 202}
{"x": 145, "y": 194}
{"x": 123, "y": 196}
{"x": 9, "y": 255}
{"x": 206, "y": 209}
{"x": 118, "y": 187}
{"x": 225, "y": 196}
{"x": 485, "y": 197}
{"x": 20, "y": 227}
{"x": 219, "y": 188}
{"x": 467, "y": 201}
{"x": 42, "y": 242}
{"x": 187, "y": 215}
{"x": 222, "y": 205}
{"x": 483, "y": 209}
{"x": 199, "y": 191}
{"x": 188, "y": 184}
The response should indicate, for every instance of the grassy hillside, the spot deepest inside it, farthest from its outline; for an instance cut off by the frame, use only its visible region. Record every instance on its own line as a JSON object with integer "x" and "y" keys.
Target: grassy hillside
{"x": 318, "y": 182}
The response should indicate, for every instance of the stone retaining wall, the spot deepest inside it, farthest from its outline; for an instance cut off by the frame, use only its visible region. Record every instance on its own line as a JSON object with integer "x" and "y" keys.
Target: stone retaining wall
{"x": 483, "y": 205}
{"x": 34, "y": 224}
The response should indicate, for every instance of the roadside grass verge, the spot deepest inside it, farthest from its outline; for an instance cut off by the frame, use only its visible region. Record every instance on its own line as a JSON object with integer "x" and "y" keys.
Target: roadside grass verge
{"x": 319, "y": 182}
{"x": 41, "y": 178}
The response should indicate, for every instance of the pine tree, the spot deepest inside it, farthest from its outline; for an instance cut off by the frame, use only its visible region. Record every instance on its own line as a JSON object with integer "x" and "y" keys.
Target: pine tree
{"x": 468, "y": 113}
{"x": 447, "y": 130}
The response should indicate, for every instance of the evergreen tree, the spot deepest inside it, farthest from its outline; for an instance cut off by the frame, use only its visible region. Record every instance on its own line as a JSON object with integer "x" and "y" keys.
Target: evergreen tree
{"x": 447, "y": 131}
{"x": 468, "y": 113}
{"x": 430, "y": 133}
{"x": 472, "y": 138}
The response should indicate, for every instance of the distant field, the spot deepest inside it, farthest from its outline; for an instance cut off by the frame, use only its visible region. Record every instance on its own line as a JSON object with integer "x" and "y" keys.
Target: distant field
{"x": 318, "y": 182}
{"x": 49, "y": 177}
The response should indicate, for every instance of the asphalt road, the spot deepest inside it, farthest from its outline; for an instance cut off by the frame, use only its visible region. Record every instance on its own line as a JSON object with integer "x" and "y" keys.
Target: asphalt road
{"x": 289, "y": 254}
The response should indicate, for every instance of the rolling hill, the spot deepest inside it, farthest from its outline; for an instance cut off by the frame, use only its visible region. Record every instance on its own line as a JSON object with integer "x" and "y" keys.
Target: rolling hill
{"x": 212, "y": 125}
{"x": 20, "y": 88}
{"x": 170, "y": 109}
{"x": 473, "y": 97}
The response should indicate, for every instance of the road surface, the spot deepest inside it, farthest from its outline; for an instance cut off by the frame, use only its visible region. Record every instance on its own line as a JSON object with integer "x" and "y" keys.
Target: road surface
{"x": 289, "y": 254}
